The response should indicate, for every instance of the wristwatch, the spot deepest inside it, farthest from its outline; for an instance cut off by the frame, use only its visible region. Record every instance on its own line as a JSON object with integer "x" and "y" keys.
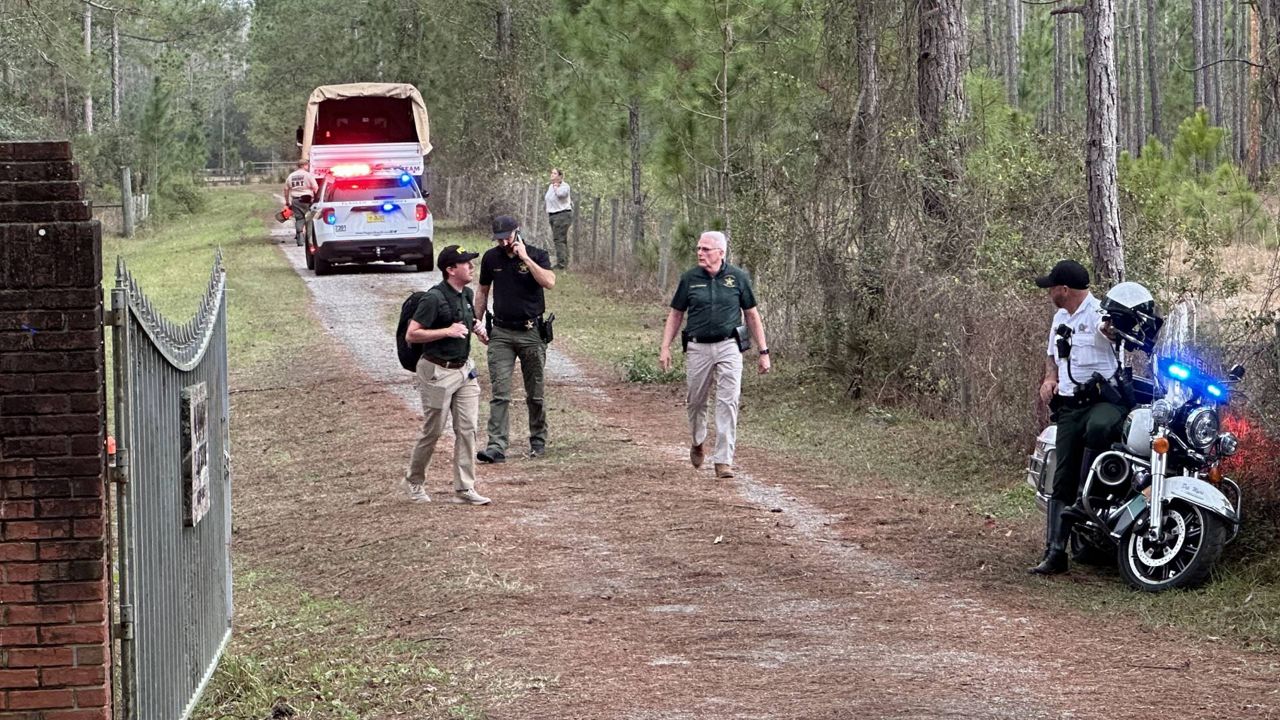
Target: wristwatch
{"x": 764, "y": 351}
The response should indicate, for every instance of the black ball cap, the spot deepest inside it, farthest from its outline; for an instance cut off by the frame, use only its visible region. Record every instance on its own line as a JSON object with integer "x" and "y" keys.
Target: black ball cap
{"x": 454, "y": 254}
{"x": 503, "y": 226}
{"x": 1067, "y": 272}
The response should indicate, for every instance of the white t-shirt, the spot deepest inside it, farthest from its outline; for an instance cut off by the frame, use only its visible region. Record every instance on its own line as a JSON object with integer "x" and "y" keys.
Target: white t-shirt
{"x": 558, "y": 198}
{"x": 301, "y": 182}
{"x": 1091, "y": 351}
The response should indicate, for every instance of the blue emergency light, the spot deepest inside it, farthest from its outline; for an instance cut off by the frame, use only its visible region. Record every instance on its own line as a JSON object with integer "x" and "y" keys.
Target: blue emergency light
{"x": 388, "y": 207}
{"x": 1196, "y": 380}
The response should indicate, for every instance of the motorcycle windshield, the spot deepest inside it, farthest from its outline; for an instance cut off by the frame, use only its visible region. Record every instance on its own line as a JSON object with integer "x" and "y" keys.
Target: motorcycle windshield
{"x": 1175, "y": 344}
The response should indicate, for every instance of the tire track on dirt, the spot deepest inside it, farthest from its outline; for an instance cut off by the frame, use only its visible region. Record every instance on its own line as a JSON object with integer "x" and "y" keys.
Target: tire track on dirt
{"x": 785, "y": 619}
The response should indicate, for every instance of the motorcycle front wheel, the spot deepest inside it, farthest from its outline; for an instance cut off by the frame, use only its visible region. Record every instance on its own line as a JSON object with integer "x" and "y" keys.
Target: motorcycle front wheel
{"x": 1184, "y": 558}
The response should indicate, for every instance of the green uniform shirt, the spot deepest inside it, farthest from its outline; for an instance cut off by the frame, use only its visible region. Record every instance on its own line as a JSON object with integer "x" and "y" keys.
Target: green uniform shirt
{"x": 441, "y": 307}
{"x": 714, "y": 304}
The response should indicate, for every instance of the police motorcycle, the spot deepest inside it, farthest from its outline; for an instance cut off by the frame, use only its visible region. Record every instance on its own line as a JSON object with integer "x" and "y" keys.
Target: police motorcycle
{"x": 1156, "y": 503}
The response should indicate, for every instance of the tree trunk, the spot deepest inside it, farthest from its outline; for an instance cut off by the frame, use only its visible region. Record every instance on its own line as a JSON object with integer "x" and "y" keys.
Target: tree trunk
{"x": 637, "y": 197}
{"x": 940, "y": 68}
{"x": 987, "y": 43}
{"x": 1255, "y": 100}
{"x": 115, "y": 68}
{"x": 1059, "y": 104}
{"x": 866, "y": 143}
{"x": 1153, "y": 68}
{"x": 1137, "y": 74}
{"x": 1012, "y": 59}
{"x": 726, "y": 177}
{"x": 1106, "y": 244}
{"x": 88, "y": 58}
{"x": 1197, "y": 54}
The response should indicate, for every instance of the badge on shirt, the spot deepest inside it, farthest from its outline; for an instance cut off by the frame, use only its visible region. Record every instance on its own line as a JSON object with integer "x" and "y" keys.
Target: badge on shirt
{"x": 524, "y": 269}
{"x": 729, "y": 281}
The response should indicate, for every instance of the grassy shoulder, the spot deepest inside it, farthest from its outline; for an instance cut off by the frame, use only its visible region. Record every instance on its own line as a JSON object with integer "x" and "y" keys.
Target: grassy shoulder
{"x": 171, "y": 262}
{"x": 800, "y": 409}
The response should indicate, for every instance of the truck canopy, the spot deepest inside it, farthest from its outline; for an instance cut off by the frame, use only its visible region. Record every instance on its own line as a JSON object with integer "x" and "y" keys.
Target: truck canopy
{"x": 366, "y": 113}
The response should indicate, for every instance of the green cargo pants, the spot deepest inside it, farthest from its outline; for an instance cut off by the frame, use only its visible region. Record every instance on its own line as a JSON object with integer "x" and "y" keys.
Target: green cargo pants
{"x": 560, "y": 223}
{"x": 505, "y": 347}
{"x": 1094, "y": 427}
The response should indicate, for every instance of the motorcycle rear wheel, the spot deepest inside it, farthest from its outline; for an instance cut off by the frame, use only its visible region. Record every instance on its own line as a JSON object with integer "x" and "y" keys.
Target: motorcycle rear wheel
{"x": 1194, "y": 538}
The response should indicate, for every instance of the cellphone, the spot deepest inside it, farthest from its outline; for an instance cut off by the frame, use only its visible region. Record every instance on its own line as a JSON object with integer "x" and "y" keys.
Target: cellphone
{"x": 519, "y": 236}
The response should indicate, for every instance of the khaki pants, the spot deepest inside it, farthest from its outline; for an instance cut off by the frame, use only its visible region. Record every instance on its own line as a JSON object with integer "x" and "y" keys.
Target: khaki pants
{"x": 725, "y": 359}
{"x": 447, "y": 391}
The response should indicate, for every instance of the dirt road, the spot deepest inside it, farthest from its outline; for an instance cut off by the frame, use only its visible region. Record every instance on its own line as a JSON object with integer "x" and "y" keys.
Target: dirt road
{"x": 612, "y": 580}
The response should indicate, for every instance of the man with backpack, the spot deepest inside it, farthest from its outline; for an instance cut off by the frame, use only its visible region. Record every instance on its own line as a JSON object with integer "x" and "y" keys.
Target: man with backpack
{"x": 441, "y": 326}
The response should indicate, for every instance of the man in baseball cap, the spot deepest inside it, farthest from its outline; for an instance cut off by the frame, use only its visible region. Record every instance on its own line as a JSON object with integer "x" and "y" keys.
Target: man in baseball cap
{"x": 1079, "y": 356}
{"x": 443, "y": 324}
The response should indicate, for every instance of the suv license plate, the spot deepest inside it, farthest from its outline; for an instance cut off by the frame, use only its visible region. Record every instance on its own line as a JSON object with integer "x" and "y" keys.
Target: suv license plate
{"x": 374, "y": 218}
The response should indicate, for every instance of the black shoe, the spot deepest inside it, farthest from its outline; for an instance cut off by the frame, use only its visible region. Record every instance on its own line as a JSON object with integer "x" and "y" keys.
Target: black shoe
{"x": 1054, "y": 563}
{"x": 491, "y": 456}
{"x": 537, "y": 451}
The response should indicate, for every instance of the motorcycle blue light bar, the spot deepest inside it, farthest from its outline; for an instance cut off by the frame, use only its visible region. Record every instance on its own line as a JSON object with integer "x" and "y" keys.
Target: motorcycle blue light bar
{"x": 388, "y": 207}
{"x": 1196, "y": 380}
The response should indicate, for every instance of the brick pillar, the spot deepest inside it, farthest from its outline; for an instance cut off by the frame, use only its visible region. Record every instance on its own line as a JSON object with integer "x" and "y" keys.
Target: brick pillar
{"x": 54, "y": 647}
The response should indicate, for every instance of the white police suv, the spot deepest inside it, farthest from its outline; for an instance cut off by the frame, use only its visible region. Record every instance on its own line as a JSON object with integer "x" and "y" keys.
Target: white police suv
{"x": 368, "y": 215}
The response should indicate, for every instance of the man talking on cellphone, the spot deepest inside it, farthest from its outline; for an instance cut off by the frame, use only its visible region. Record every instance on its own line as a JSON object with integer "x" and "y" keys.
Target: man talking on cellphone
{"x": 519, "y": 274}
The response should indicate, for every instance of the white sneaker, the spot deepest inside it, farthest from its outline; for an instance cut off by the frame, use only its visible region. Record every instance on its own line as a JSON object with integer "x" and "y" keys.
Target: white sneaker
{"x": 417, "y": 493}
{"x": 470, "y": 497}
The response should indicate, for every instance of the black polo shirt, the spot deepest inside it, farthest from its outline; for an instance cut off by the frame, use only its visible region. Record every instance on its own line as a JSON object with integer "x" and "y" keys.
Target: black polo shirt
{"x": 714, "y": 304}
{"x": 516, "y": 295}
{"x": 441, "y": 307}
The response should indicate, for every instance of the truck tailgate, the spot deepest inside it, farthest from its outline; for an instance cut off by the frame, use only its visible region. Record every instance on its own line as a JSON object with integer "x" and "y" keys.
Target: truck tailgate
{"x": 378, "y": 156}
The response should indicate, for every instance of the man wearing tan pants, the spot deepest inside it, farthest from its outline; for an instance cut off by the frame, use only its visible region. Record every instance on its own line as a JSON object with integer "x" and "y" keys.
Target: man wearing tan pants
{"x": 718, "y": 298}
{"x": 446, "y": 377}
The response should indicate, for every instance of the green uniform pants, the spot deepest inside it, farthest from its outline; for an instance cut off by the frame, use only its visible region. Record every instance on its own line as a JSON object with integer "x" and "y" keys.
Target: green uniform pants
{"x": 505, "y": 347}
{"x": 560, "y": 223}
{"x": 1094, "y": 427}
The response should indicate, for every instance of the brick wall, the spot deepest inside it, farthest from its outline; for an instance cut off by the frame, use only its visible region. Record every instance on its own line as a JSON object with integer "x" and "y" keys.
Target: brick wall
{"x": 53, "y": 593}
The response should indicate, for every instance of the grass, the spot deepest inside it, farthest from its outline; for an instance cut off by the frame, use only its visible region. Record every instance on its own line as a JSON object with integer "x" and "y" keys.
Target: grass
{"x": 171, "y": 262}
{"x": 325, "y": 660}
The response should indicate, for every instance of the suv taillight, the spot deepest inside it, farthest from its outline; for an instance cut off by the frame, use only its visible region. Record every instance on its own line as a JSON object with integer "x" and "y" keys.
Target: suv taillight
{"x": 421, "y": 212}
{"x": 330, "y": 217}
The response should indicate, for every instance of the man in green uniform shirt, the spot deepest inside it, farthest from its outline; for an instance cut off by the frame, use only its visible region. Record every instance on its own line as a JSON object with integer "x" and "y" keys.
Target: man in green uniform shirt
{"x": 446, "y": 377}
{"x": 717, "y": 296}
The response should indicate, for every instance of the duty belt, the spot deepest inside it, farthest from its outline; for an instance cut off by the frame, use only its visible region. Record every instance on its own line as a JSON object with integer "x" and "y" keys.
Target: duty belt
{"x": 1072, "y": 402}
{"x": 526, "y": 324}
{"x": 706, "y": 339}
{"x": 446, "y": 364}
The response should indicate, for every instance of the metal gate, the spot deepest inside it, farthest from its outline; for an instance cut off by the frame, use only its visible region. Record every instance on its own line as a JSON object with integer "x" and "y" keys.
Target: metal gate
{"x": 173, "y": 498}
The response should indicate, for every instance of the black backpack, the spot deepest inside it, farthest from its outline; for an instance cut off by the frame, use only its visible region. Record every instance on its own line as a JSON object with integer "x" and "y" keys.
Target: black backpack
{"x": 408, "y": 352}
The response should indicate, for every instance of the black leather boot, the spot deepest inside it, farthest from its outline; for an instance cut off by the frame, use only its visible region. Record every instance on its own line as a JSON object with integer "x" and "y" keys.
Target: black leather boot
{"x": 1055, "y": 557}
{"x": 1076, "y": 513}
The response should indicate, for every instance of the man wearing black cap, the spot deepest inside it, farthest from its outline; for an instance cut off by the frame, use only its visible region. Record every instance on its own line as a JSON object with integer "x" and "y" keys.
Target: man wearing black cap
{"x": 518, "y": 275}
{"x": 446, "y": 377}
{"x": 1079, "y": 348}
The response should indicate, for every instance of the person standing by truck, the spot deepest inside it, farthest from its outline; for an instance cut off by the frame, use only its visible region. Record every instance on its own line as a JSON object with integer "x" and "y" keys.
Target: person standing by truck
{"x": 300, "y": 190}
{"x": 560, "y": 214}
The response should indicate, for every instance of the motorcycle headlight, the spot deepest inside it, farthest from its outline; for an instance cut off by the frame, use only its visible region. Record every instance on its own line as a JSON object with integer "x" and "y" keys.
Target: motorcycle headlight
{"x": 1161, "y": 412}
{"x": 1228, "y": 444}
{"x": 1202, "y": 427}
